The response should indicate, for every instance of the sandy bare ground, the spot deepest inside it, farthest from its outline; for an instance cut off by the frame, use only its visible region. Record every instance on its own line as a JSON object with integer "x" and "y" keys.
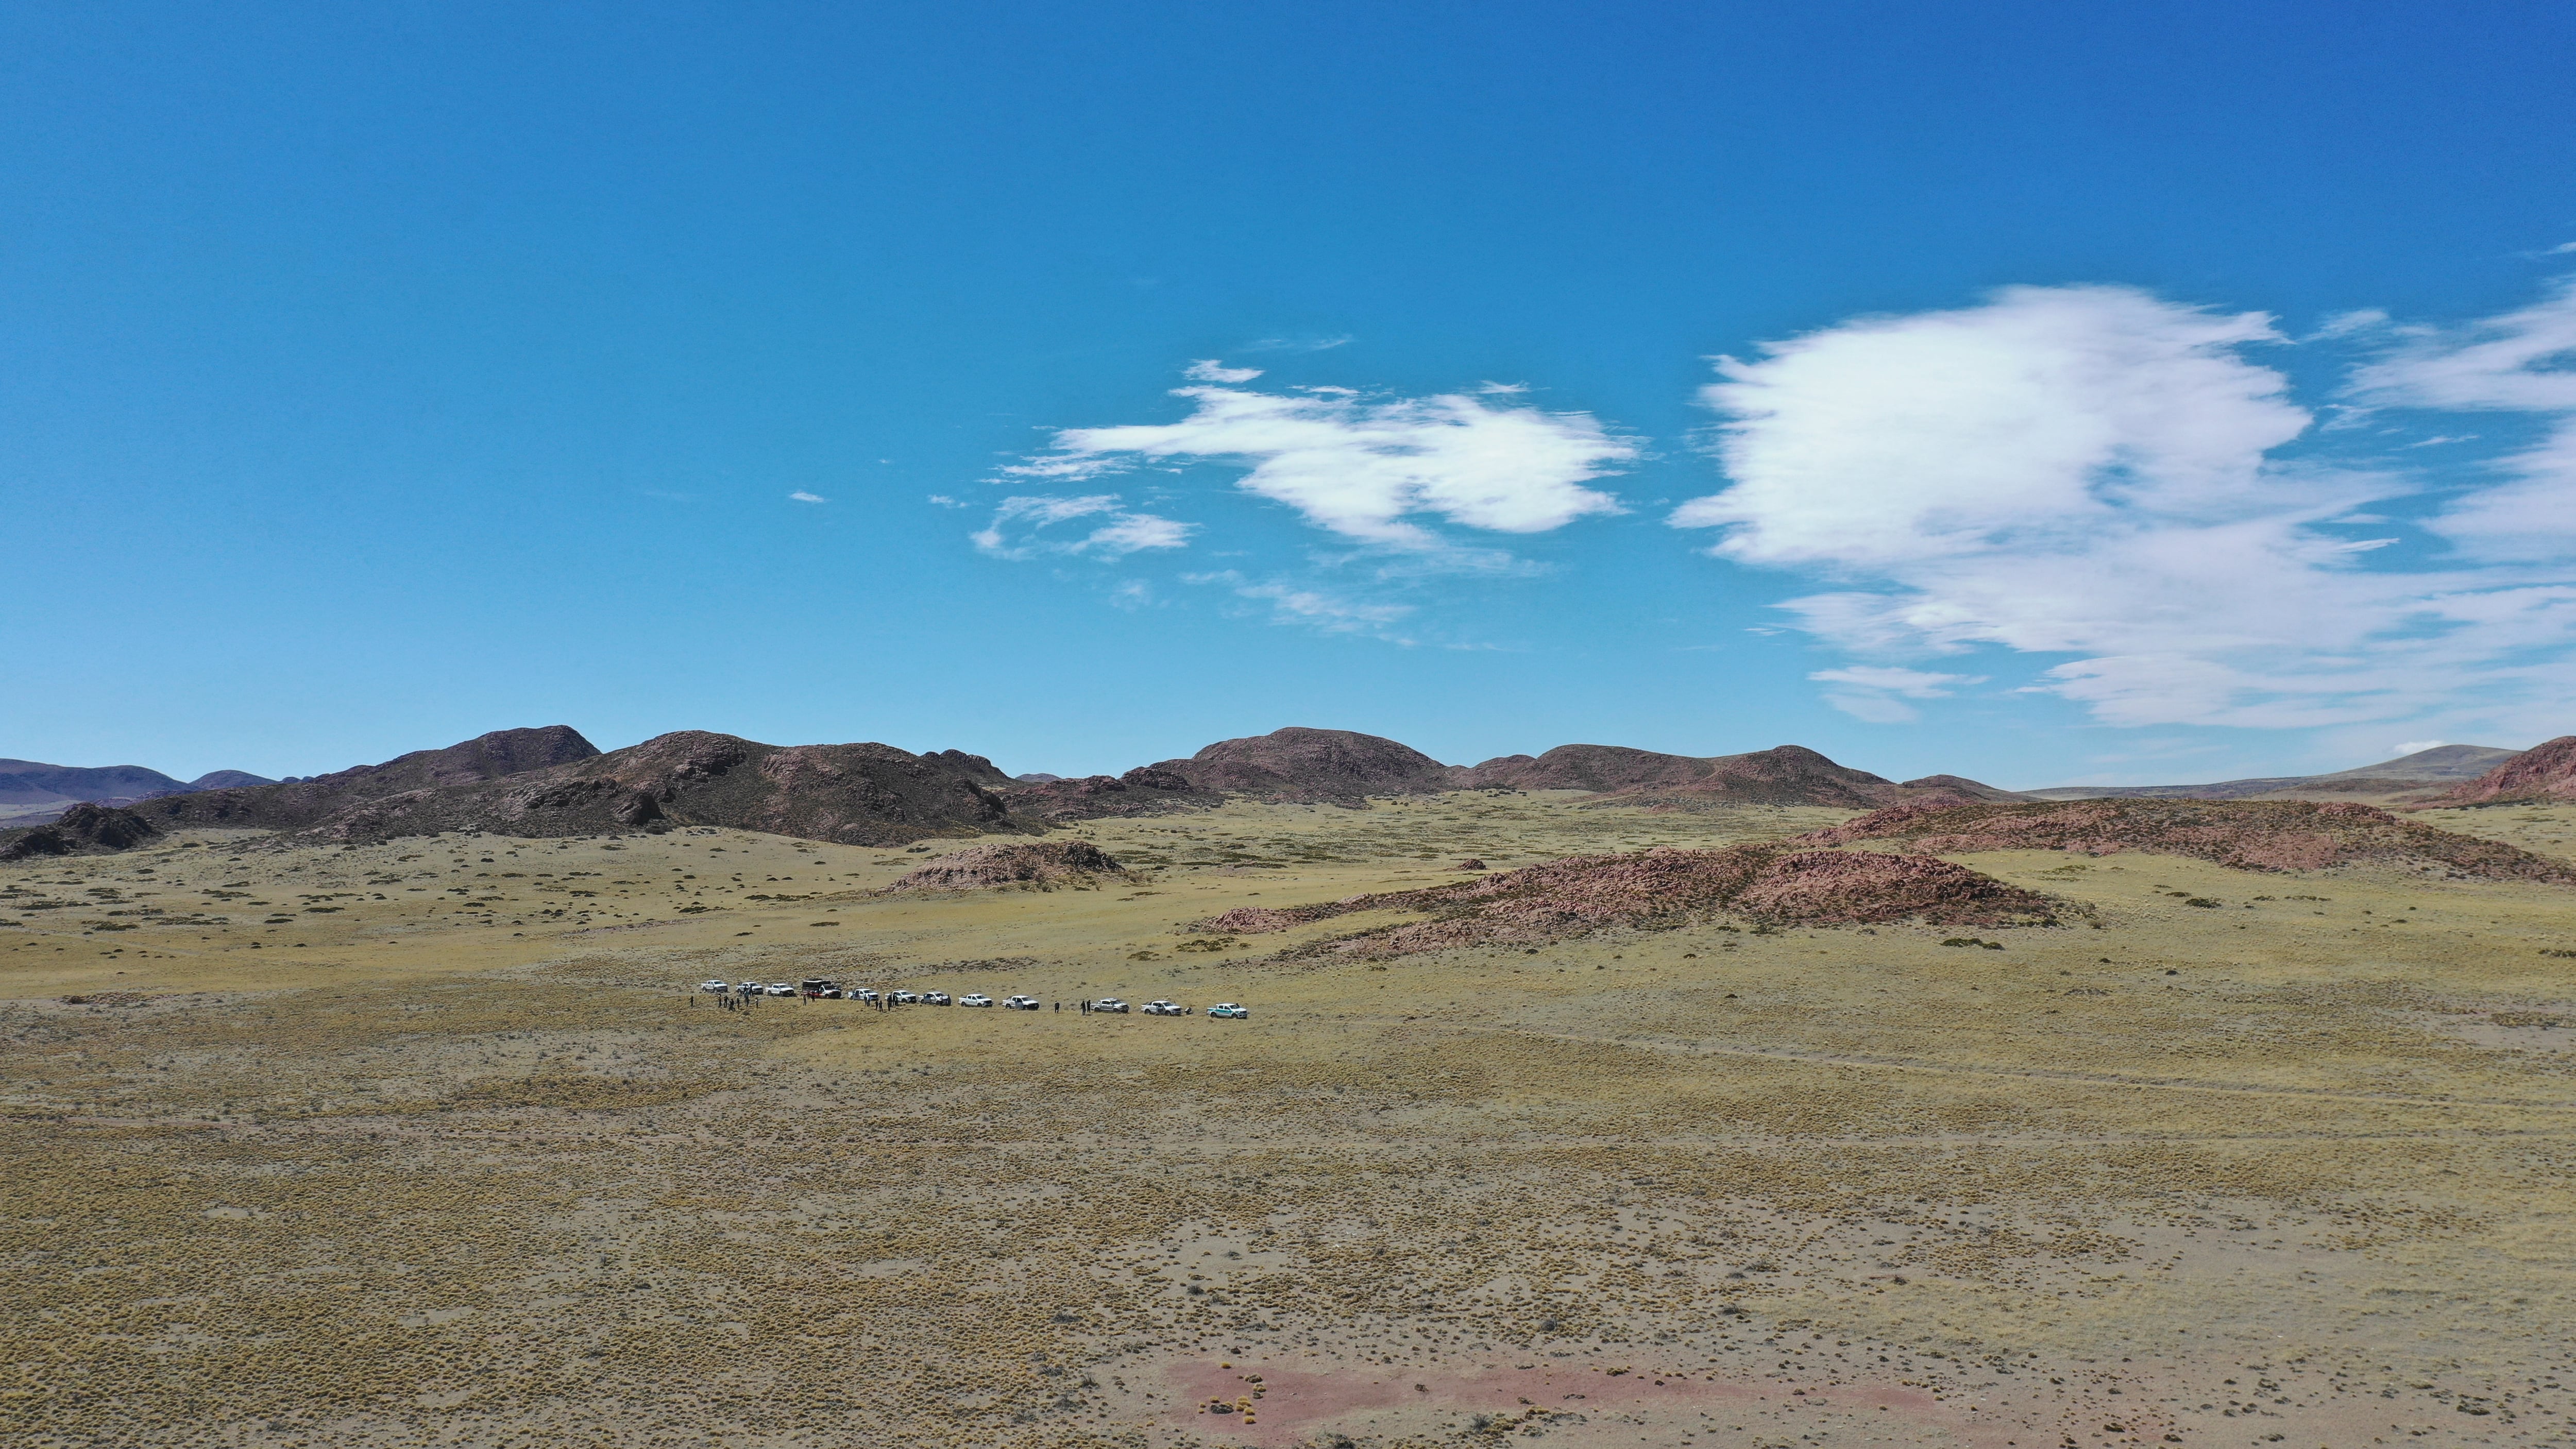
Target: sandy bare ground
{"x": 472, "y": 1164}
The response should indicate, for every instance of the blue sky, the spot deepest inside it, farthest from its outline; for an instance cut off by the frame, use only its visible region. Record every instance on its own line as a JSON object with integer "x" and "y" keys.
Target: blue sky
{"x": 2042, "y": 393}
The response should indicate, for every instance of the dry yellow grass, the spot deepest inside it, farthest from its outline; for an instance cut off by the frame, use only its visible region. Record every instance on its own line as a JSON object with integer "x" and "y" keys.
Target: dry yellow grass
{"x": 472, "y": 1164}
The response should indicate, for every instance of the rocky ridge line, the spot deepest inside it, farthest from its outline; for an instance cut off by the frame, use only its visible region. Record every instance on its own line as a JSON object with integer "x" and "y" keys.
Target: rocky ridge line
{"x": 2264, "y": 835}
{"x": 1660, "y": 890}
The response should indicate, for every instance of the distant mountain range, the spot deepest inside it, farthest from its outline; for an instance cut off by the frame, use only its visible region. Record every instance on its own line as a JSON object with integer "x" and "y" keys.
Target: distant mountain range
{"x": 31, "y": 792}
{"x": 2423, "y": 774}
{"x": 552, "y": 782}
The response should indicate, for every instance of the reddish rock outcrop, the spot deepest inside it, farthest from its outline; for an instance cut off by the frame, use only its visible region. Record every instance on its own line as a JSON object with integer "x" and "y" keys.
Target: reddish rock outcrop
{"x": 2270, "y": 835}
{"x": 2542, "y": 773}
{"x": 1662, "y": 889}
{"x": 1042, "y": 862}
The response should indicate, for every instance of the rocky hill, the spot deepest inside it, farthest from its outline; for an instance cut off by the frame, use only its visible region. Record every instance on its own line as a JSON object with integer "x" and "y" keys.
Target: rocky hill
{"x": 305, "y": 803}
{"x": 82, "y": 829}
{"x": 1782, "y": 775}
{"x": 2270, "y": 835}
{"x": 1596, "y": 768}
{"x": 858, "y": 794}
{"x": 1310, "y": 765}
{"x": 1145, "y": 790}
{"x": 2544, "y": 772}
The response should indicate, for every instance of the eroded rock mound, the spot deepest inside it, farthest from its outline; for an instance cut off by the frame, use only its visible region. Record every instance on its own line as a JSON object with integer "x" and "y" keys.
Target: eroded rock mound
{"x": 1663, "y": 889}
{"x": 1037, "y": 862}
{"x": 1145, "y": 790}
{"x": 2269, "y": 835}
{"x": 2541, "y": 773}
{"x": 82, "y": 829}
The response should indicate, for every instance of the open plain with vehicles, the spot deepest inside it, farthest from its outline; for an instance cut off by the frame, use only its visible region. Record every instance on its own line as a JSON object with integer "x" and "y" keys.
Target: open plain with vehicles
{"x": 444, "y": 1141}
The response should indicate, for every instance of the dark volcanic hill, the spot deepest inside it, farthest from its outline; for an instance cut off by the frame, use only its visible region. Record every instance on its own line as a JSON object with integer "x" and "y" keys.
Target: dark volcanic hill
{"x": 1597, "y": 768}
{"x": 1345, "y": 768}
{"x": 1782, "y": 775}
{"x": 2543, "y": 772}
{"x": 861, "y": 794}
{"x": 1310, "y": 765}
{"x": 229, "y": 779}
{"x": 83, "y": 829}
{"x": 305, "y": 803}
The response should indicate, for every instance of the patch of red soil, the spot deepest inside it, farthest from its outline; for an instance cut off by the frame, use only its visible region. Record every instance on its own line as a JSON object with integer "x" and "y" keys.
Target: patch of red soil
{"x": 2268, "y": 835}
{"x": 2544, "y": 772}
{"x": 1302, "y": 1402}
{"x": 1660, "y": 889}
{"x": 1019, "y": 863}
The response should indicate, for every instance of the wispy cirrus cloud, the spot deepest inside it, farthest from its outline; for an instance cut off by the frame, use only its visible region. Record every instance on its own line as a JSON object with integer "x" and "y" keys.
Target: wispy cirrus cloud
{"x": 1330, "y": 611}
{"x": 2097, "y": 472}
{"x": 801, "y": 496}
{"x": 2523, "y": 361}
{"x": 1018, "y": 529}
{"x": 1878, "y": 693}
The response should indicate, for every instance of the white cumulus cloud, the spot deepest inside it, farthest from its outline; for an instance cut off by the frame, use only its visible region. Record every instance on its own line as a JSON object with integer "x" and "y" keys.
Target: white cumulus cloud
{"x": 2093, "y": 472}
{"x": 1372, "y": 470}
{"x": 1209, "y": 369}
{"x": 801, "y": 496}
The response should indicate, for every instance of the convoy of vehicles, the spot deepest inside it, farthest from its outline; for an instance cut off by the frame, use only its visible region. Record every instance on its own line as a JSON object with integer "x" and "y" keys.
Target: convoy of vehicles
{"x": 822, "y": 988}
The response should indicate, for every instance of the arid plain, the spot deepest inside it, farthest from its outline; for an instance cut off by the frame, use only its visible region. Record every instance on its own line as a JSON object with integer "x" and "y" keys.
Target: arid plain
{"x": 433, "y": 1142}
